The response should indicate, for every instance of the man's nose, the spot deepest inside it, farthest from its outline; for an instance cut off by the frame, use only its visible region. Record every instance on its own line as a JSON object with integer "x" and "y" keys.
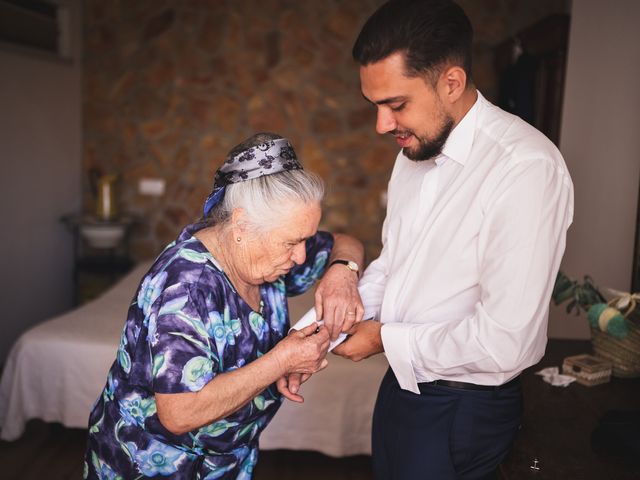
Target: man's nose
{"x": 385, "y": 122}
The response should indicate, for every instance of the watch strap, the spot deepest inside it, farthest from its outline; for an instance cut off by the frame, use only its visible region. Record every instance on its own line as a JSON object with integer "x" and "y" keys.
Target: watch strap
{"x": 350, "y": 264}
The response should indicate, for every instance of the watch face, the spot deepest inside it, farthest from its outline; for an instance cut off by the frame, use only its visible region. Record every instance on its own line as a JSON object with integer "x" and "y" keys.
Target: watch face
{"x": 350, "y": 264}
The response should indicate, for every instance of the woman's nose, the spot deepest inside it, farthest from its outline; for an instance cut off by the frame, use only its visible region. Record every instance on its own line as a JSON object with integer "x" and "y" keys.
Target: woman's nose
{"x": 385, "y": 122}
{"x": 299, "y": 253}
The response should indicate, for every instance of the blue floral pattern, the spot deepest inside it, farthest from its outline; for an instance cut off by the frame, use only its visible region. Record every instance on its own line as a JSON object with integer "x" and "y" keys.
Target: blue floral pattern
{"x": 185, "y": 325}
{"x": 157, "y": 459}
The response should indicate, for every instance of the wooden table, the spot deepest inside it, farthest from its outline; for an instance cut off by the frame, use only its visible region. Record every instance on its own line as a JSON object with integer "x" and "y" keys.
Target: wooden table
{"x": 558, "y": 422}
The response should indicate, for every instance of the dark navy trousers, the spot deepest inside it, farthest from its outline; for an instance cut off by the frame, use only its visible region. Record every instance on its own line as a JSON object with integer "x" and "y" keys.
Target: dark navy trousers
{"x": 443, "y": 433}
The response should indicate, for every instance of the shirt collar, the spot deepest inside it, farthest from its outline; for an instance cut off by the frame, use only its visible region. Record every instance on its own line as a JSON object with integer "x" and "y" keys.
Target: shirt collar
{"x": 460, "y": 140}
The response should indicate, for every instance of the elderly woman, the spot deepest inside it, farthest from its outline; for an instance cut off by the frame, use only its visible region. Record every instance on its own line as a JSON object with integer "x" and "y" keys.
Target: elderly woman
{"x": 193, "y": 384}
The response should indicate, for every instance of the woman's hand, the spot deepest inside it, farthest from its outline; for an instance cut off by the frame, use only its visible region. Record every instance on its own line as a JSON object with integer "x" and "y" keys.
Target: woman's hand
{"x": 307, "y": 339}
{"x": 289, "y": 385}
{"x": 303, "y": 351}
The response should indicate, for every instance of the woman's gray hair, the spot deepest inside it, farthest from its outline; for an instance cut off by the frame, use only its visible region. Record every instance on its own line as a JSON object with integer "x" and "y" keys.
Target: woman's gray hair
{"x": 267, "y": 200}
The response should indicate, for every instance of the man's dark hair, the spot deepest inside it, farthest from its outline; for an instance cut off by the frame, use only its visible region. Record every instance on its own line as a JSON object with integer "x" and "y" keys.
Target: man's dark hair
{"x": 431, "y": 33}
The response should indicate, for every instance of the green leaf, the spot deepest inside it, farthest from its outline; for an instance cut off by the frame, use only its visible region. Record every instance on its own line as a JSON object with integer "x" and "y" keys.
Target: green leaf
{"x": 562, "y": 296}
{"x": 158, "y": 361}
{"x": 192, "y": 340}
{"x": 173, "y": 306}
{"x": 244, "y": 431}
{"x": 201, "y": 345}
{"x": 580, "y": 296}
{"x": 96, "y": 461}
{"x": 124, "y": 360}
{"x": 257, "y": 324}
{"x": 195, "y": 257}
{"x": 236, "y": 326}
{"x": 194, "y": 322}
{"x": 259, "y": 402}
{"x": 563, "y": 289}
{"x": 216, "y": 429}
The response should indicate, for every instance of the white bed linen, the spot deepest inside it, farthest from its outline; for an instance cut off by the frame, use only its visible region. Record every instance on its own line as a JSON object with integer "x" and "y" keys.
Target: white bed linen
{"x": 57, "y": 369}
{"x": 335, "y": 418}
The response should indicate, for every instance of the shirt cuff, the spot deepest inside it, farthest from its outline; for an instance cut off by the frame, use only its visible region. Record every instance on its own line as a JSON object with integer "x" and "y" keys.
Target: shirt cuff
{"x": 396, "y": 339}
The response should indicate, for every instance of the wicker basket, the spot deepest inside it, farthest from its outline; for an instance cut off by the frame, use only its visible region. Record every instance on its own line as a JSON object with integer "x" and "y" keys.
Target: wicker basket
{"x": 623, "y": 353}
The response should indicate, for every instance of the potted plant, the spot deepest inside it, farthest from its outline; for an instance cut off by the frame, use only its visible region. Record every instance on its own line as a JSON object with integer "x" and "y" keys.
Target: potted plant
{"x": 615, "y": 324}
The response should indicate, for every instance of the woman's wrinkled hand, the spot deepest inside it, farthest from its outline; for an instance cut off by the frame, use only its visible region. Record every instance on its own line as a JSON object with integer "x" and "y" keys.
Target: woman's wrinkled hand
{"x": 303, "y": 351}
{"x": 301, "y": 354}
{"x": 289, "y": 385}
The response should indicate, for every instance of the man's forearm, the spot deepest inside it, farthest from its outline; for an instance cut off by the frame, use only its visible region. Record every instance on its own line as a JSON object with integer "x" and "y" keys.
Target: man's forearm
{"x": 346, "y": 247}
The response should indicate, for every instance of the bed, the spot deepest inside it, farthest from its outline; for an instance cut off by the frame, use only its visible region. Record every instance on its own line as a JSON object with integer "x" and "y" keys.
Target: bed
{"x": 57, "y": 369}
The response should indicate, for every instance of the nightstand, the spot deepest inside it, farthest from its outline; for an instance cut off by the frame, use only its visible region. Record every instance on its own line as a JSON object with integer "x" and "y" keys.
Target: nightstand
{"x": 101, "y": 253}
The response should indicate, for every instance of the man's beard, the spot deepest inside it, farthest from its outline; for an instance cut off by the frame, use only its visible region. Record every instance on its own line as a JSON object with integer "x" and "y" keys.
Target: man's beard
{"x": 428, "y": 149}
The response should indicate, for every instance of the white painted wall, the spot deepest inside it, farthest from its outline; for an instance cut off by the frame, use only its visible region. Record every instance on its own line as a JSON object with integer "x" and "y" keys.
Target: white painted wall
{"x": 600, "y": 141}
{"x": 40, "y": 168}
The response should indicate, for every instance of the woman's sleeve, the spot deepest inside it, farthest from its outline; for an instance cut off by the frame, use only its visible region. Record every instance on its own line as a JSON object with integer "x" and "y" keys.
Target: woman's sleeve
{"x": 181, "y": 339}
{"x": 303, "y": 276}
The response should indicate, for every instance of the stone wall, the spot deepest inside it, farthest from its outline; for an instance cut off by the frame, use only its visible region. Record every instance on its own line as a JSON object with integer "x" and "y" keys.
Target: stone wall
{"x": 171, "y": 85}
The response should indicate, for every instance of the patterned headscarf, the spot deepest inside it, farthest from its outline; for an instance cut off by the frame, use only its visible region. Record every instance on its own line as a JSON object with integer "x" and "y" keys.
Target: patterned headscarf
{"x": 273, "y": 156}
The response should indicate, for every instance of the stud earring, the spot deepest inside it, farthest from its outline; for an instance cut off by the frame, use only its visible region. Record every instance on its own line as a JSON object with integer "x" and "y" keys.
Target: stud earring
{"x": 238, "y": 239}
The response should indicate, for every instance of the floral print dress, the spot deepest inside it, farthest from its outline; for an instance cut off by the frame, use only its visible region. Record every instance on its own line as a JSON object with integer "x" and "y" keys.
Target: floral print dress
{"x": 185, "y": 325}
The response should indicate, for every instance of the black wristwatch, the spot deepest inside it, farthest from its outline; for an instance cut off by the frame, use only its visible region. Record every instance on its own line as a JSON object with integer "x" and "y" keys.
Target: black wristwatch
{"x": 350, "y": 264}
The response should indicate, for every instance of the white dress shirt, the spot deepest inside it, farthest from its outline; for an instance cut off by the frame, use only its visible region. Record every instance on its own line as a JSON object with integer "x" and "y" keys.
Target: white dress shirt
{"x": 472, "y": 243}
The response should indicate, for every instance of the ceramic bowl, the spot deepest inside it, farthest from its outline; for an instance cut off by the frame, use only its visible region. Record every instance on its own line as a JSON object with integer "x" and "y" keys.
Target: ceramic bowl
{"x": 102, "y": 235}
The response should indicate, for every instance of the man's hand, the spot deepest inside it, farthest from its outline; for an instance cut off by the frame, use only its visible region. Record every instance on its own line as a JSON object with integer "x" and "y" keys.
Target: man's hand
{"x": 364, "y": 340}
{"x": 338, "y": 301}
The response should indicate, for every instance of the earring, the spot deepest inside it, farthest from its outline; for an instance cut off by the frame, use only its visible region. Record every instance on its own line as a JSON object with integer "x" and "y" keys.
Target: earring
{"x": 238, "y": 239}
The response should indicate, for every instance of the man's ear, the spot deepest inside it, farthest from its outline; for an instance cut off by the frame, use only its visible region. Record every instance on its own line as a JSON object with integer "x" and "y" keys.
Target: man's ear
{"x": 453, "y": 83}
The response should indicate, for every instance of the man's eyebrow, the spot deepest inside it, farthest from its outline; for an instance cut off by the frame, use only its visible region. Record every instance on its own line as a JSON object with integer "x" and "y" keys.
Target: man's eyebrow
{"x": 386, "y": 101}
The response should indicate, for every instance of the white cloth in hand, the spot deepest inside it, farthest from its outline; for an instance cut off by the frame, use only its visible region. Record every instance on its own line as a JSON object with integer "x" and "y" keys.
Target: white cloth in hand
{"x": 310, "y": 317}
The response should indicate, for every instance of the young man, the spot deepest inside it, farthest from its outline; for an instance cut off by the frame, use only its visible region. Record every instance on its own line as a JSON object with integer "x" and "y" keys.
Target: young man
{"x": 479, "y": 205}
